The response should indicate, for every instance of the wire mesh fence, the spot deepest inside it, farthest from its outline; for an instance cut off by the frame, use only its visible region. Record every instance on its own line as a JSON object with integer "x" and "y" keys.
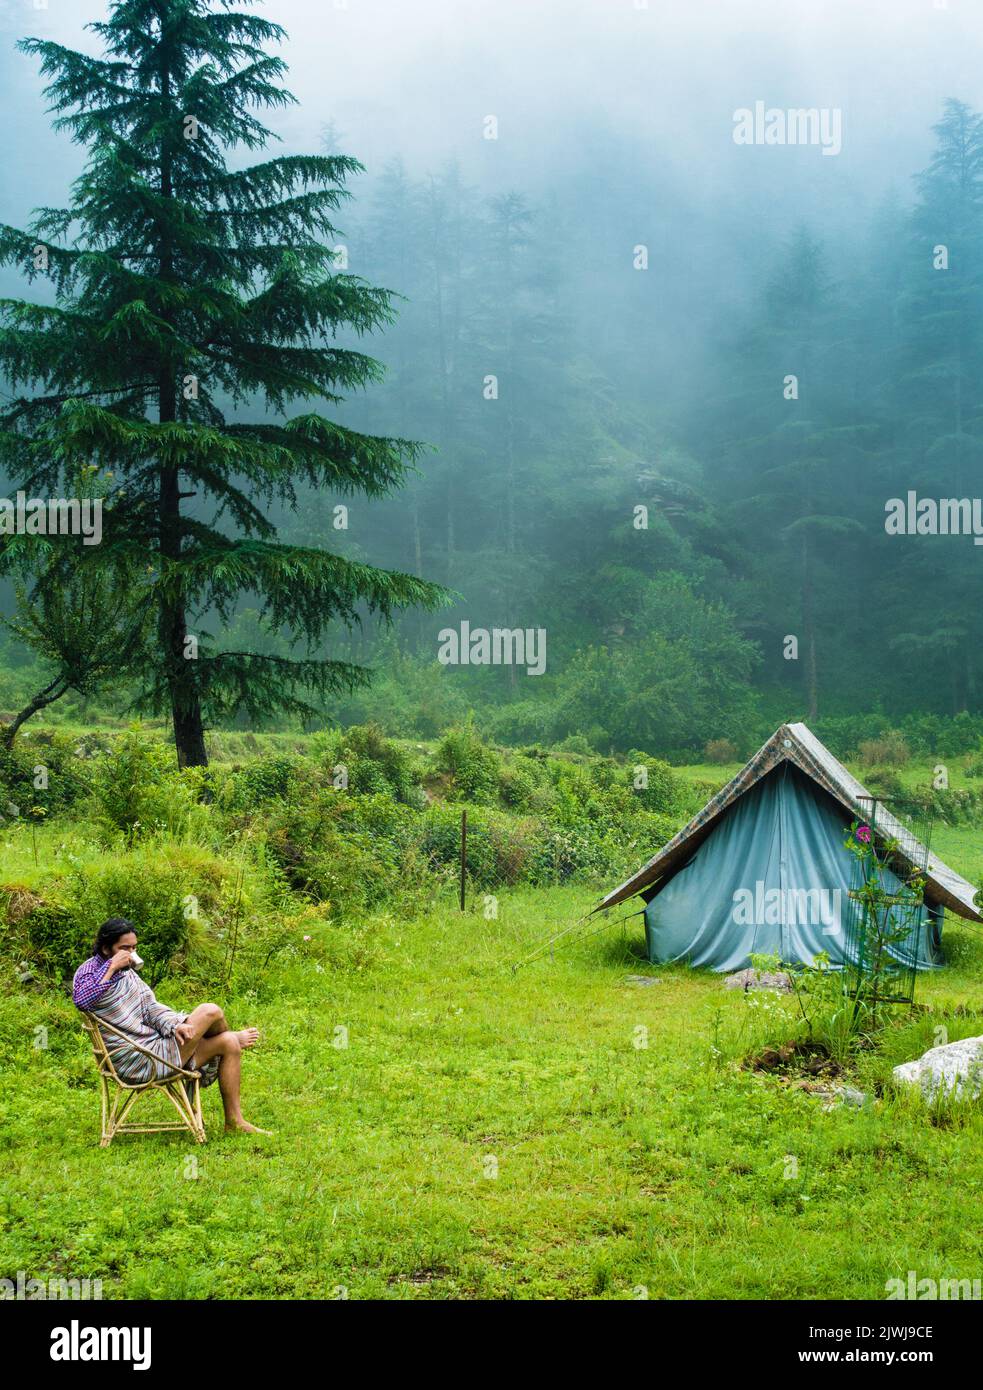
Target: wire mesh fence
{"x": 886, "y": 915}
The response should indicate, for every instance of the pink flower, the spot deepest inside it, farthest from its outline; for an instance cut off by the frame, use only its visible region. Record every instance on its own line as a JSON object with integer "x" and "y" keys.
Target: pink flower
{"x": 863, "y": 833}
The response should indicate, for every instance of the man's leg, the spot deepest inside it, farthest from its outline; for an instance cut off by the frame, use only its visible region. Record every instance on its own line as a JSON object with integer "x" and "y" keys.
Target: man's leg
{"x": 207, "y": 1020}
{"x": 228, "y": 1047}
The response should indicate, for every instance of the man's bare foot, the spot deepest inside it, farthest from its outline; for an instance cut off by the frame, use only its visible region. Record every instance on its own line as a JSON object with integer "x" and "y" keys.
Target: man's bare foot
{"x": 248, "y": 1037}
{"x": 244, "y": 1127}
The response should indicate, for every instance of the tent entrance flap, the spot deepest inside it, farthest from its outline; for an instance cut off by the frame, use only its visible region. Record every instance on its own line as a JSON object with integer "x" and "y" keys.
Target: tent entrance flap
{"x": 773, "y": 878}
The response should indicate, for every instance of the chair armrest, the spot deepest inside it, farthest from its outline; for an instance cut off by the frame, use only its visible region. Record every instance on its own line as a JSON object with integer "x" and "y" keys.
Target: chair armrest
{"x": 175, "y": 1071}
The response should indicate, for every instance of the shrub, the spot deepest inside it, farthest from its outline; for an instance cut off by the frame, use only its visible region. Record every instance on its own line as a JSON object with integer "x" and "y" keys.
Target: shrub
{"x": 64, "y": 761}
{"x": 589, "y": 853}
{"x": 659, "y": 789}
{"x": 264, "y": 780}
{"x": 576, "y": 743}
{"x": 474, "y": 767}
{"x": 58, "y": 938}
{"x": 501, "y": 849}
{"x": 514, "y": 844}
{"x": 520, "y": 721}
{"x": 517, "y": 787}
{"x": 951, "y": 807}
{"x": 347, "y": 852}
{"x": 885, "y": 782}
{"x": 60, "y": 929}
{"x": 720, "y": 750}
{"x": 375, "y": 764}
{"x": 440, "y": 842}
{"x": 889, "y": 750}
{"x": 138, "y": 789}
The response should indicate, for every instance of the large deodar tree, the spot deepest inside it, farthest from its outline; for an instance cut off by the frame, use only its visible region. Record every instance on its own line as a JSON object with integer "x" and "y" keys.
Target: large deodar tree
{"x": 187, "y": 292}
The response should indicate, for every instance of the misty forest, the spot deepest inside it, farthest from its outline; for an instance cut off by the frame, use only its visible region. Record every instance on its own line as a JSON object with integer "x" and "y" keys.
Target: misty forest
{"x": 490, "y": 453}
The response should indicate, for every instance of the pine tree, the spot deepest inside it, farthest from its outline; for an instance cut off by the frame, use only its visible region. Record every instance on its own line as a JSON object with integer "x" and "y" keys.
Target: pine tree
{"x": 184, "y": 290}
{"x": 938, "y": 408}
{"x": 794, "y": 463}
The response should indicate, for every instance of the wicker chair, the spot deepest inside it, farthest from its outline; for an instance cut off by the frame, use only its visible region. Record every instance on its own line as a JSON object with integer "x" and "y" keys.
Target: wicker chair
{"x": 182, "y": 1088}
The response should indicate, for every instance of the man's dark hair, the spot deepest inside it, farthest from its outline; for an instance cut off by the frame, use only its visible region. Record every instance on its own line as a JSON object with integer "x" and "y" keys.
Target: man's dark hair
{"x": 110, "y": 932}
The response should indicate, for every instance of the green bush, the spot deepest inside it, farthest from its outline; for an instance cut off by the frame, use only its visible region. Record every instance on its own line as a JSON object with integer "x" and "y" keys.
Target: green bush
{"x": 974, "y": 762}
{"x": 576, "y": 852}
{"x": 951, "y": 807}
{"x": 501, "y": 849}
{"x": 886, "y": 783}
{"x": 58, "y": 937}
{"x": 375, "y": 764}
{"x": 56, "y": 758}
{"x": 660, "y": 789}
{"x": 520, "y": 721}
{"x": 720, "y": 750}
{"x": 61, "y": 929}
{"x": 474, "y": 768}
{"x": 349, "y": 852}
{"x": 889, "y": 750}
{"x": 358, "y": 760}
{"x": 576, "y": 743}
{"x": 505, "y": 850}
{"x": 498, "y": 848}
{"x": 138, "y": 789}
{"x": 276, "y": 777}
{"x": 517, "y": 787}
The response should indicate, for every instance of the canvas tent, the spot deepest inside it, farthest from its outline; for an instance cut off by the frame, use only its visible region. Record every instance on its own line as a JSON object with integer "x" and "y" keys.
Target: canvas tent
{"x": 762, "y": 869}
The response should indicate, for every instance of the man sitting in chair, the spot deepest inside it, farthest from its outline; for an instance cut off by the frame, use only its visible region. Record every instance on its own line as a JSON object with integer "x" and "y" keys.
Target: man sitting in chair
{"x": 107, "y": 986}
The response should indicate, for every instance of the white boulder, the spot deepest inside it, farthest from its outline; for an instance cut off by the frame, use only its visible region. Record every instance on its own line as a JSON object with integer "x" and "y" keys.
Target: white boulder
{"x": 956, "y": 1069}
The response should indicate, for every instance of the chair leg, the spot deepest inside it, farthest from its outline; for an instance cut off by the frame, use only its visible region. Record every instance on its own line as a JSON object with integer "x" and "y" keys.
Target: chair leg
{"x": 189, "y": 1113}
{"x": 174, "y": 1091}
{"x": 105, "y": 1137}
{"x": 199, "y": 1117}
{"x": 115, "y": 1106}
{"x": 121, "y": 1111}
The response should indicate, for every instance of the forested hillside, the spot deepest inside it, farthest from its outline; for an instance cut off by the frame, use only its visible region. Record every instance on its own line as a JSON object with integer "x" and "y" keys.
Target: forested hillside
{"x": 641, "y": 478}
{"x": 765, "y": 514}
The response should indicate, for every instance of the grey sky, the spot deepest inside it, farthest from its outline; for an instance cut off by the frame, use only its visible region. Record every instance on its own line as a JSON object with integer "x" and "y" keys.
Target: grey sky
{"x": 625, "y": 114}
{"x": 418, "y": 77}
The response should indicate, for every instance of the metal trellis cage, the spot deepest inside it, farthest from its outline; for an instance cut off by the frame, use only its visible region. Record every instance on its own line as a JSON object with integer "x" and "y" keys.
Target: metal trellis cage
{"x": 886, "y": 915}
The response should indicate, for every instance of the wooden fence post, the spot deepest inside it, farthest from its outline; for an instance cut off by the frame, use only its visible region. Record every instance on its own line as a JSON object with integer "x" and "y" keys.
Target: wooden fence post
{"x": 464, "y": 853}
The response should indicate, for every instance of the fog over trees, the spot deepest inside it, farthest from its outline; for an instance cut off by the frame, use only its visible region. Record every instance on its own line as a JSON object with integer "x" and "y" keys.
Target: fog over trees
{"x": 669, "y": 380}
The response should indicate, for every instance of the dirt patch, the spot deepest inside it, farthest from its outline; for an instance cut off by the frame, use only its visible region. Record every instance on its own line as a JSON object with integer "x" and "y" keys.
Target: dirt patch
{"x": 795, "y": 1059}
{"x": 420, "y": 1276}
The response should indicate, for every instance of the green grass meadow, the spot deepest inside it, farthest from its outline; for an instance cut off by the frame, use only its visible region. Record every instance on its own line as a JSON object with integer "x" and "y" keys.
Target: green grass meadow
{"x": 448, "y": 1127}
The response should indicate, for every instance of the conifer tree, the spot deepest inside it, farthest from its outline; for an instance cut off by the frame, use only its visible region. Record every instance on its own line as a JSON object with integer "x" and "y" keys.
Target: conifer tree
{"x": 185, "y": 291}
{"x": 940, "y": 418}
